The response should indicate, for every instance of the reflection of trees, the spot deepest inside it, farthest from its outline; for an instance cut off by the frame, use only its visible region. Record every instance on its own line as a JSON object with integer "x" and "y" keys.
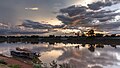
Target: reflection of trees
{"x": 53, "y": 64}
{"x": 77, "y": 46}
{"x": 91, "y": 48}
{"x": 113, "y": 45}
{"x": 99, "y": 46}
{"x": 83, "y": 45}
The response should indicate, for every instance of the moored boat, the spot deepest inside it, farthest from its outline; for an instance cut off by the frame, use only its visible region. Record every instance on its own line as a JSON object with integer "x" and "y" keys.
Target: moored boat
{"x": 24, "y": 53}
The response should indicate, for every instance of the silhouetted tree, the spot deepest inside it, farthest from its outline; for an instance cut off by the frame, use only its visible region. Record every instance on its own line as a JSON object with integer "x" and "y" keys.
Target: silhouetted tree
{"x": 113, "y": 35}
{"x": 91, "y": 32}
{"x": 99, "y": 35}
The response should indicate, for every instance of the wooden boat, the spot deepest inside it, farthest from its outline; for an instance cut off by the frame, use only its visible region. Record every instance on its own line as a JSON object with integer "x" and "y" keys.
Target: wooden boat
{"x": 23, "y": 53}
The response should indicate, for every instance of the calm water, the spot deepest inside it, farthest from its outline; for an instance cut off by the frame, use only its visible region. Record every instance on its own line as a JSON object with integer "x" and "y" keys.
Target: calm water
{"x": 81, "y": 57}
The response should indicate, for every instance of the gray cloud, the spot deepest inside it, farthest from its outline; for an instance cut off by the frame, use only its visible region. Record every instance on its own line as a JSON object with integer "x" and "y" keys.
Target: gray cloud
{"x": 98, "y": 5}
{"x": 32, "y": 24}
{"x": 109, "y": 25}
{"x": 39, "y": 25}
{"x": 73, "y": 10}
{"x": 84, "y": 16}
{"x": 13, "y": 11}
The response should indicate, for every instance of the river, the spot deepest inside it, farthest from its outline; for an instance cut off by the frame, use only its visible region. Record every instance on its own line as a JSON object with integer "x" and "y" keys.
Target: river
{"x": 79, "y": 55}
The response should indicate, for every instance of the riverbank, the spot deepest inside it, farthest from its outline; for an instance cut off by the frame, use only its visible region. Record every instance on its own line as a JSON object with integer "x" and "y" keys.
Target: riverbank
{"x": 62, "y": 39}
{"x": 9, "y": 61}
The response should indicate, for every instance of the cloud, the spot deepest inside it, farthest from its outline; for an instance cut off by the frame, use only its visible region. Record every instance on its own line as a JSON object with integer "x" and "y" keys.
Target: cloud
{"x": 39, "y": 25}
{"x": 73, "y": 10}
{"x": 85, "y": 16}
{"x": 98, "y": 5}
{"x": 35, "y": 25}
{"x": 34, "y": 9}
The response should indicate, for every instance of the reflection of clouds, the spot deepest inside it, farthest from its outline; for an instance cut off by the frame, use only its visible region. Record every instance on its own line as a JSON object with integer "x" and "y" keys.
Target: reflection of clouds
{"x": 81, "y": 58}
{"x": 6, "y": 48}
{"x": 70, "y": 53}
{"x": 49, "y": 56}
{"x": 40, "y": 49}
{"x": 96, "y": 67}
{"x": 105, "y": 57}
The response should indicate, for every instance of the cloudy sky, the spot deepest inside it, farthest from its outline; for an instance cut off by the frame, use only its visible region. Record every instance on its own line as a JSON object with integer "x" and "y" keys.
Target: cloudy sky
{"x": 102, "y": 15}
{"x": 15, "y": 11}
{"x": 105, "y": 13}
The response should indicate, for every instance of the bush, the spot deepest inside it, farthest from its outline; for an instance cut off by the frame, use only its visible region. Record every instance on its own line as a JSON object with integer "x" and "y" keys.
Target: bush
{"x": 37, "y": 66}
{"x": 14, "y": 66}
{"x": 2, "y": 62}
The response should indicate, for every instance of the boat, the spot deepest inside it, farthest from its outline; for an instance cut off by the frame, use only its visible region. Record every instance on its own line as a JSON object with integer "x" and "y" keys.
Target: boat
{"x": 24, "y": 53}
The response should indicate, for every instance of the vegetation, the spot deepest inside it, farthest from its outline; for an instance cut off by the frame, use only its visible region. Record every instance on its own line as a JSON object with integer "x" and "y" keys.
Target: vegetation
{"x": 53, "y": 64}
{"x": 91, "y": 33}
{"x": 14, "y": 66}
{"x": 2, "y": 62}
{"x": 37, "y": 66}
{"x": 51, "y": 39}
{"x": 3, "y": 66}
{"x": 99, "y": 35}
{"x": 66, "y": 65}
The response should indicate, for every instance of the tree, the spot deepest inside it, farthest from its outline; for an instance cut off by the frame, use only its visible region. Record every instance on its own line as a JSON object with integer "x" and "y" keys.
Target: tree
{"x": 91, "y": 32}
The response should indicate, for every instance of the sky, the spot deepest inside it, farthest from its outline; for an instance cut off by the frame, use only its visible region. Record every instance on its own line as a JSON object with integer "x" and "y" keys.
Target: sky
{"x": 102, "y": 14}
{"x": 13, "y": 12}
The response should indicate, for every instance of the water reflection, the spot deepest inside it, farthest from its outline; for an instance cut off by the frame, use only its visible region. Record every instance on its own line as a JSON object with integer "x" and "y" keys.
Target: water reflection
{"x": 79, "y": 55}
{"x": 49, "y": 56}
